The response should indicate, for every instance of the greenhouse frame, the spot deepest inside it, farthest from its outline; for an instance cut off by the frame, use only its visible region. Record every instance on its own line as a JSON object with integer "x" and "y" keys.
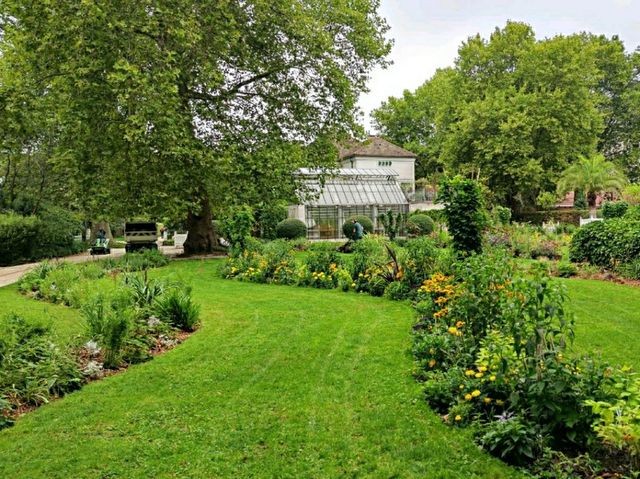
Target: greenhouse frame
{"x": 331, "y": 197}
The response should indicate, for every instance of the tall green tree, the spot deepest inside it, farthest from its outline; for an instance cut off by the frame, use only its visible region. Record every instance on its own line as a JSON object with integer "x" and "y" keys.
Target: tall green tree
{"x": 514, "y": 111}
{"x": 592, "y": 175}
{"x": 152, "y": 98}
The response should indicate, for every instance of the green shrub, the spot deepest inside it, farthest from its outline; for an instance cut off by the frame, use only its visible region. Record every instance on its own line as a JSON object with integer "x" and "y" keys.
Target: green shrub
{"x": 615, "y": 209}
{"x": 512, "y": 439}
{"x": 178, "y": 309}
{"x": 631, "y": 194}
{"x": 420, "y": 225}
{"x": 565, "y": 269}
{"x": 109, "y": 323}
{"x": 633, "y": 213}
{"x": 501, "y": 214}
{"x": 368, "y": 254}
{"x": 143, "y": 260}
{"x": 322, "y": 257}
{"x": 365, "y": 221}
{"x": 393, "y": 223}
{"x": 420, "y": 260}
{"x": 32, "y": 368}
{"x": 631, "y": 270}
{"x": 397, "y": 291}
{"x": 607, "y": 243}
{"x": 237, "y": 225}
{"x": 291, "y": 229}
{"x": 17, "y": 236}
{"x": 267, "y": 219}
{"x": 464, "y": 212}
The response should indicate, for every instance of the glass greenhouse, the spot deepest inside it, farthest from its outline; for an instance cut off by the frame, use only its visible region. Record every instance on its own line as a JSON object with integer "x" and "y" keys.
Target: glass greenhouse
{"x": 332, "y": 198}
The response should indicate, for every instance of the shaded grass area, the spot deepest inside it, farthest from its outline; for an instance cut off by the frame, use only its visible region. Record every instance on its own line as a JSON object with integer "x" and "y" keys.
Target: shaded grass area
{"x": 279, "y": 382}
{"x": 607, "y": 320}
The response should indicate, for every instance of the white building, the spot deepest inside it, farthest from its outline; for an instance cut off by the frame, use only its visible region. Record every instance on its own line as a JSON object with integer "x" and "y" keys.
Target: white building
{"x": 376, "y": 153}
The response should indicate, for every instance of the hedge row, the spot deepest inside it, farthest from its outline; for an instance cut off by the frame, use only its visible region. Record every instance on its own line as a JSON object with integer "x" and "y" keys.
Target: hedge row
{"x": 29, "y": 238}
{"x": 607, "y": 243}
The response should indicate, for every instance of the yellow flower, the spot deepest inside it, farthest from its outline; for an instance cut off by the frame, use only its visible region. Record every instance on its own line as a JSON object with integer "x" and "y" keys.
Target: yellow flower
{"x": 432, "y": 363}
{"x": 492, "y": 378}
{"x": 458, "y": 417}
{"x": 469, "y": 372}
{"x": 487, "y": 400}
{"x": 459, "y": 324}
{"x": 353, "y": 285}
{"x": 453, "y": 330}
{"x": 475, "y": 393}
{"x": 499, "y": 402}
{"x": 482, "y": 369}
{"x": 478, "y": 375}
{"x": 468, "y": 397}
{"x": 462, "y": 386}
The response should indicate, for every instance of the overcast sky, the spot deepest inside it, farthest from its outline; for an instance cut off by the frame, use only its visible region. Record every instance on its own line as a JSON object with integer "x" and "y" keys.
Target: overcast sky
{"x": 427, "y": 33}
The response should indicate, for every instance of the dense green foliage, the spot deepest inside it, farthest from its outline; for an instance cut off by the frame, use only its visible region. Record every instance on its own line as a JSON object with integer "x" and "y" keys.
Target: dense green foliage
{"x": 516, "y": 111}
{"x": 393, "y": 223}
{"x": 491, "y": 348}
{"x": 28, "y": 238}
{"x": 592, "y": 175}
{"x": 291, "y": 229}
{"x": 615, "y": 209}
{"x": 607, "y": 243}
{"x": 177, "y": 104}
{"x": 464, "y": 213}
{"x": 420, "y": 224}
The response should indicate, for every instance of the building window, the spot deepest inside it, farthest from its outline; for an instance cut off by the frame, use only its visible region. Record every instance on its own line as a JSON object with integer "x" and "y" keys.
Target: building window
{"x": 384, "y": 163}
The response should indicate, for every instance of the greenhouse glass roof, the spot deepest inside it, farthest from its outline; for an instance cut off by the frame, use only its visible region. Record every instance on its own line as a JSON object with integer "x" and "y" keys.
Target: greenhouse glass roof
{"x": 351, "y": 187}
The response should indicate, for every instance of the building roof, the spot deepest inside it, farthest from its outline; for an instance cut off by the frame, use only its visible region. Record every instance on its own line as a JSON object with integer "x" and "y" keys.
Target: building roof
{"x": 373, "y": 147}
{"x": 351, "y": 187}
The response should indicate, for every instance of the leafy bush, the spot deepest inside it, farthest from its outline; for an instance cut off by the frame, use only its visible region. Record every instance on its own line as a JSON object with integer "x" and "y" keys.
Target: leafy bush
{"x": 178, "y": 309}
{"x": 108, "y": 322}
{"x": 630, "y": 270}
{"x": 268, "y": 216}
{"x": 464, "y": 212}
{"x": 546, "y": 200}
{"x": 607, "y": 243}
{"x": 512, "y": 439}
{"x": 393, "y": 223}
{"x": 501, "y": 214}
{"x": 32, "y": 368}
{"x": 365, "y": 221}
{"x": 397, "y": 291}
{"x": 420, "y": 260}
{"x": 617, "y": 419}
{"x": 237, "y": 225}
{"x": 420, "y": 225}
{"x": 633, "y": 213}
{"x": 143, "y": 260}
{"x": 631, "y": 194}
{"x": 615, "y": 209}
{"x": 565, "y": 269}
{"x": 28, "y": 238}
{"x": 17, "y": 236}
{"x": 291, "y": 229}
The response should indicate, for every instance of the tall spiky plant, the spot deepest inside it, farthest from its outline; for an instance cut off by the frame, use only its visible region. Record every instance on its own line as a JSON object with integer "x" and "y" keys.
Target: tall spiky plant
{"x": 592, "y": 175}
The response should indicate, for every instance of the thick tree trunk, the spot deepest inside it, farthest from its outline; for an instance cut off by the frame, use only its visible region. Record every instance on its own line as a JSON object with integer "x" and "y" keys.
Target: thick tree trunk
{"x": 201, "y": 238}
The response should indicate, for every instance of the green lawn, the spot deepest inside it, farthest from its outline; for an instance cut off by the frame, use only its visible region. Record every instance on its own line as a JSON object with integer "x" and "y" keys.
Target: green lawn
{"x": 608, "y": 320}
{"x": 279, "y": 382}
{"x": 66, "y": 322}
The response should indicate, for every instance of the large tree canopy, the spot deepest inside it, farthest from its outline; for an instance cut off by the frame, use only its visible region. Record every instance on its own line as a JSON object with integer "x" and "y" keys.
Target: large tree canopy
{"x": 516, "y": 112}
{"x": 158, "y": 103}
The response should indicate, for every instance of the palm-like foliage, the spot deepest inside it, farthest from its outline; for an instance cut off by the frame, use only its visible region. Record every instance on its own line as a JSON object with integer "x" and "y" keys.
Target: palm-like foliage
{"x": 592, "y": 175}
